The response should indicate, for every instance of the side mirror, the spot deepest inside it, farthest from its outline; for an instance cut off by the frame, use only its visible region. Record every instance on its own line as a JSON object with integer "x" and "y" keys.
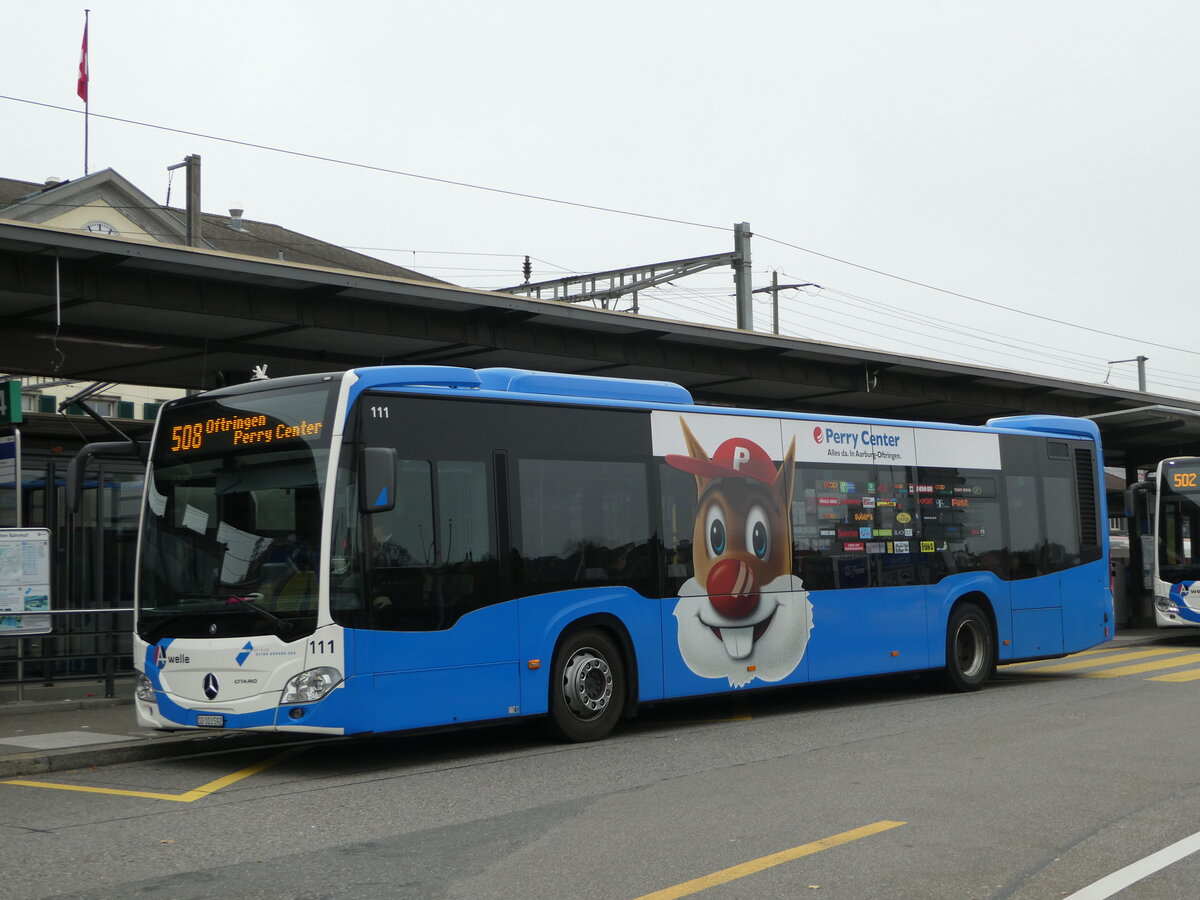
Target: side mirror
{"x": 377, "y": 479}
{"x": 79, "y": 463}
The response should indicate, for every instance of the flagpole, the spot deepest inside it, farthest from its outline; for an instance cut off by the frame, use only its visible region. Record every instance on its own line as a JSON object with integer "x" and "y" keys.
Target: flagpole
{"x": 84, "y": 79}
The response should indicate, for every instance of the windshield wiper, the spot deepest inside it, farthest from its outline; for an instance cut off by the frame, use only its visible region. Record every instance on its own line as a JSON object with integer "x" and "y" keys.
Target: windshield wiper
{"x": 248, "y": 602}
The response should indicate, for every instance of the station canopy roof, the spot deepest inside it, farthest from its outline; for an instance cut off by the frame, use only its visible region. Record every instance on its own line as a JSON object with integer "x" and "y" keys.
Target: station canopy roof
{"x": 92, "y": 307}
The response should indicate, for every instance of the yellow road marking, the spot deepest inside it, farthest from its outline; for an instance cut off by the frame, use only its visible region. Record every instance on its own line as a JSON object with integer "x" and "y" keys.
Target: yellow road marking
{"x": 1173, "y": 662}
{"x": 1089, "y": 663}
{"x": 1095, "y": 651}
{"x": 187, "y": 797}
{"x": 1178, "y": 677}
{"x": 724, "y": 876}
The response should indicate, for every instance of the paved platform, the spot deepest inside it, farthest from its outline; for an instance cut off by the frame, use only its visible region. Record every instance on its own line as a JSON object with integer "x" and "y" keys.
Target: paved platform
{"x": 73, "y": 726}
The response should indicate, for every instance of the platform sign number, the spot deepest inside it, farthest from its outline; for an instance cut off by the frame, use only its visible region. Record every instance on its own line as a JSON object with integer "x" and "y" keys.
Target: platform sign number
{"x": 10, "y": 403}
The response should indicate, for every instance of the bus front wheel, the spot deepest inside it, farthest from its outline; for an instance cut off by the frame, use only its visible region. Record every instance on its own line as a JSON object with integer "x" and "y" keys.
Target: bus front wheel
{"x": 970, "y": 649}
{"x": 587, "y": 692}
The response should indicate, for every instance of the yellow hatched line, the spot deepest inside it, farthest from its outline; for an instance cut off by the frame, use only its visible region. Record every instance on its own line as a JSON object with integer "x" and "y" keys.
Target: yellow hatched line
{"x": 1100, "y": 661}
{"x": 1178, "y": 677}
{"x": 1096, "y": 651}
{"x": 1185, "y": 660}
{"x": 724, "y": 876}
{"x": 187, "y": 797}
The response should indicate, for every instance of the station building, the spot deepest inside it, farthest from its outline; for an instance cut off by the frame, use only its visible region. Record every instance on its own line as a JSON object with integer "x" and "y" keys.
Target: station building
{"x": 101, "y": 285}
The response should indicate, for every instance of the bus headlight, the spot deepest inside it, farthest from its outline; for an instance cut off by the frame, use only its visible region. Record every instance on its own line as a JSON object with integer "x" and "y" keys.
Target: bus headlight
{"x": 144, "y": 689}
{"x": 1164, "y": 604}
{"x": 311, "y": 685}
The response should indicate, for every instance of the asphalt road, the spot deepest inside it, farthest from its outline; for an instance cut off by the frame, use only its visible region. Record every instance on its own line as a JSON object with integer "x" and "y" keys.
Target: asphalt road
{"x": 1046, "y": 782}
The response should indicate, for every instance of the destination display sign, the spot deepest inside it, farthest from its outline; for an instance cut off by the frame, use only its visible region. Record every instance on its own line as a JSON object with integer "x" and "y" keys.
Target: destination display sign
{"x": 1184, "y": 478}
{"x": 217, "y": 433}
{"x": 290, "y": 417}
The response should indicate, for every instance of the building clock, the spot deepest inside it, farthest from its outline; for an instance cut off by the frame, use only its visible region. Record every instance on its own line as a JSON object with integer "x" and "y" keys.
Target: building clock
{"x": 101, "y": 228}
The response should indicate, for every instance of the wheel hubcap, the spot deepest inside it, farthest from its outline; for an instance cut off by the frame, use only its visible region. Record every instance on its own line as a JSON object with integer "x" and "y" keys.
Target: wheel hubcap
{"x": 970, "y": 649}
{"x": 587, "y": 684}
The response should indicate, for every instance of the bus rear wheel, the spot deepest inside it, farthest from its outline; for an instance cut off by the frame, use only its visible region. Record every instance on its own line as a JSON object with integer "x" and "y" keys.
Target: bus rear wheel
{"x": 970, "y": 649}
{"x": 587, "y": 691}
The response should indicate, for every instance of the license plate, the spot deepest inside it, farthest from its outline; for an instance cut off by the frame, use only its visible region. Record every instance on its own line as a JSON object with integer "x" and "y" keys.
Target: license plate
{"x": 210, "y": 721}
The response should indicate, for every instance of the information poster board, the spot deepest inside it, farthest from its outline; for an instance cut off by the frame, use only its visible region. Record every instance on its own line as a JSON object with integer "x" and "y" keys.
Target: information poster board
{"x": 10, "y": 480}
{"x": 24, "y": 580}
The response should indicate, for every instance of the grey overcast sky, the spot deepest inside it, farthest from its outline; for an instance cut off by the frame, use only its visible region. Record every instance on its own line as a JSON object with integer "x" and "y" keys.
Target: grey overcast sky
{"x": 1039, "y": 158}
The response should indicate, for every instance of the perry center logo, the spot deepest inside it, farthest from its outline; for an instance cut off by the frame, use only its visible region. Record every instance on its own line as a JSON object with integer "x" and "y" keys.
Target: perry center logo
{"x": 744, "y": 615}
{"x": 819, "y": 435}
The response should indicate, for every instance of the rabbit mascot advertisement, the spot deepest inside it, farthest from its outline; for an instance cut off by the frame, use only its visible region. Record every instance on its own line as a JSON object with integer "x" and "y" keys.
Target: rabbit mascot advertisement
{"x": 743, "y": 615}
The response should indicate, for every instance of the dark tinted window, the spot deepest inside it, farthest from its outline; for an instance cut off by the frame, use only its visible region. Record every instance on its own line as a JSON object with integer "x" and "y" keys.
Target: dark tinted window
{"x": 571, "y": 508}
{"x": 584, "y": 522}
{"x": 433, "y": 557}
{"x": 678, "y": 512}
{"x": 962, "y": 522}
{"x": 1062, "y": 520}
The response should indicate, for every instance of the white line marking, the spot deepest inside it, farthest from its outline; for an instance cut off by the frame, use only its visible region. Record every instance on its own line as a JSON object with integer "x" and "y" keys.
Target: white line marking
{"x": 1143, "y": 868}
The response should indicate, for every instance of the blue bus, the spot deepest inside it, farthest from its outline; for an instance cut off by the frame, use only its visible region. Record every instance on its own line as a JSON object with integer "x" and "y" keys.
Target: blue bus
{"x": 411, "y": 547}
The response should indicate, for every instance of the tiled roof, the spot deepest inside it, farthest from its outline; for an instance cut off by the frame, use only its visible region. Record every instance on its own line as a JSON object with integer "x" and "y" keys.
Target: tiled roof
{"x": 12, "y": 190}
{"x": 270, "y": 241}
{"x": 253, "y": 238}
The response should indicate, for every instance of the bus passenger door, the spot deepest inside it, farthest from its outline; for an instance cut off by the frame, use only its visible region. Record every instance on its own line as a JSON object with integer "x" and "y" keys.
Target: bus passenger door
{"x": 442, "y": 644}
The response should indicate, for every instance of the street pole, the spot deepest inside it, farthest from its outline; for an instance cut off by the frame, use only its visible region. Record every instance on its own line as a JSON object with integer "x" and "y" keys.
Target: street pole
{"x": 775, "y": 288}
{"x": 741, "y": 276}
{"x": 775, "y": 301}
{"x": 1141, "y": 363}
{"x": 193, "y": 199}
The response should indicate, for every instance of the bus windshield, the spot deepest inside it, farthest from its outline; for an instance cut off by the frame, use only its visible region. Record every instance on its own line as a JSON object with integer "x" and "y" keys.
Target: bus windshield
{"x": 1179, "y": 523}
{"x": 231, "y": 537}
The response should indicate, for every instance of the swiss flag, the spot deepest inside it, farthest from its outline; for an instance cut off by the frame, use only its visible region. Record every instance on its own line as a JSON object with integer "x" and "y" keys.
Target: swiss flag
{"x": 81, "y": 87}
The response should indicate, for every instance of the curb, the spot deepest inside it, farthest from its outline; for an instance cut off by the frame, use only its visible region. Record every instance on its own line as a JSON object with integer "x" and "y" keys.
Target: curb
{"x": 137, "y": 750}
{"x": 24, "y": 707}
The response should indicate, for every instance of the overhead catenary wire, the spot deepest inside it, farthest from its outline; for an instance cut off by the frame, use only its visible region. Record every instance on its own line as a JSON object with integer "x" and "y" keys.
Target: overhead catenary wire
{"x": 601, "y": 208}
{"x": 972, "y": 332}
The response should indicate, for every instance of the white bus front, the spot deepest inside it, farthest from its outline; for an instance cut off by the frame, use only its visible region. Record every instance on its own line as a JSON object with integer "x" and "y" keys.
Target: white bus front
{"x": 230, "y": 629}
{"x": 1177, "y": 543}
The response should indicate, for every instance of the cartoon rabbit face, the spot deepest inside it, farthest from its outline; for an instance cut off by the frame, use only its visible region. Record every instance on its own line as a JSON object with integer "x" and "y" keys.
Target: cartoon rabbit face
{"x": 742, "y": 542}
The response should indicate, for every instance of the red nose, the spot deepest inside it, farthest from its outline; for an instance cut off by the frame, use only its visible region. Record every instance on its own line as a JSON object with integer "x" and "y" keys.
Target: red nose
{"x": 731, "y": 589}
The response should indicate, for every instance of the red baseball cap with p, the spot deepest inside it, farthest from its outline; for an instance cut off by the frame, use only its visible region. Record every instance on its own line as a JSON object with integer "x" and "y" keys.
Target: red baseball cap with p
{"x": 735, "y": 458}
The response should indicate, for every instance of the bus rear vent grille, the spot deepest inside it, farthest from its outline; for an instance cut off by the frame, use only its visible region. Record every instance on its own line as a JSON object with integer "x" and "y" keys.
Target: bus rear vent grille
{"x": 1085, "y": 477}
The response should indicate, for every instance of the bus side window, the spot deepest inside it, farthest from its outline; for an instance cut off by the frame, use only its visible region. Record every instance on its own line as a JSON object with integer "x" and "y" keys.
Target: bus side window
{"x": 1025, "y": 535}
{"x": 585, "y": 522}
{"x": 678, "y": 515}
{"x": 433, "y": 555}
{"x": 1062, "y": 522}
